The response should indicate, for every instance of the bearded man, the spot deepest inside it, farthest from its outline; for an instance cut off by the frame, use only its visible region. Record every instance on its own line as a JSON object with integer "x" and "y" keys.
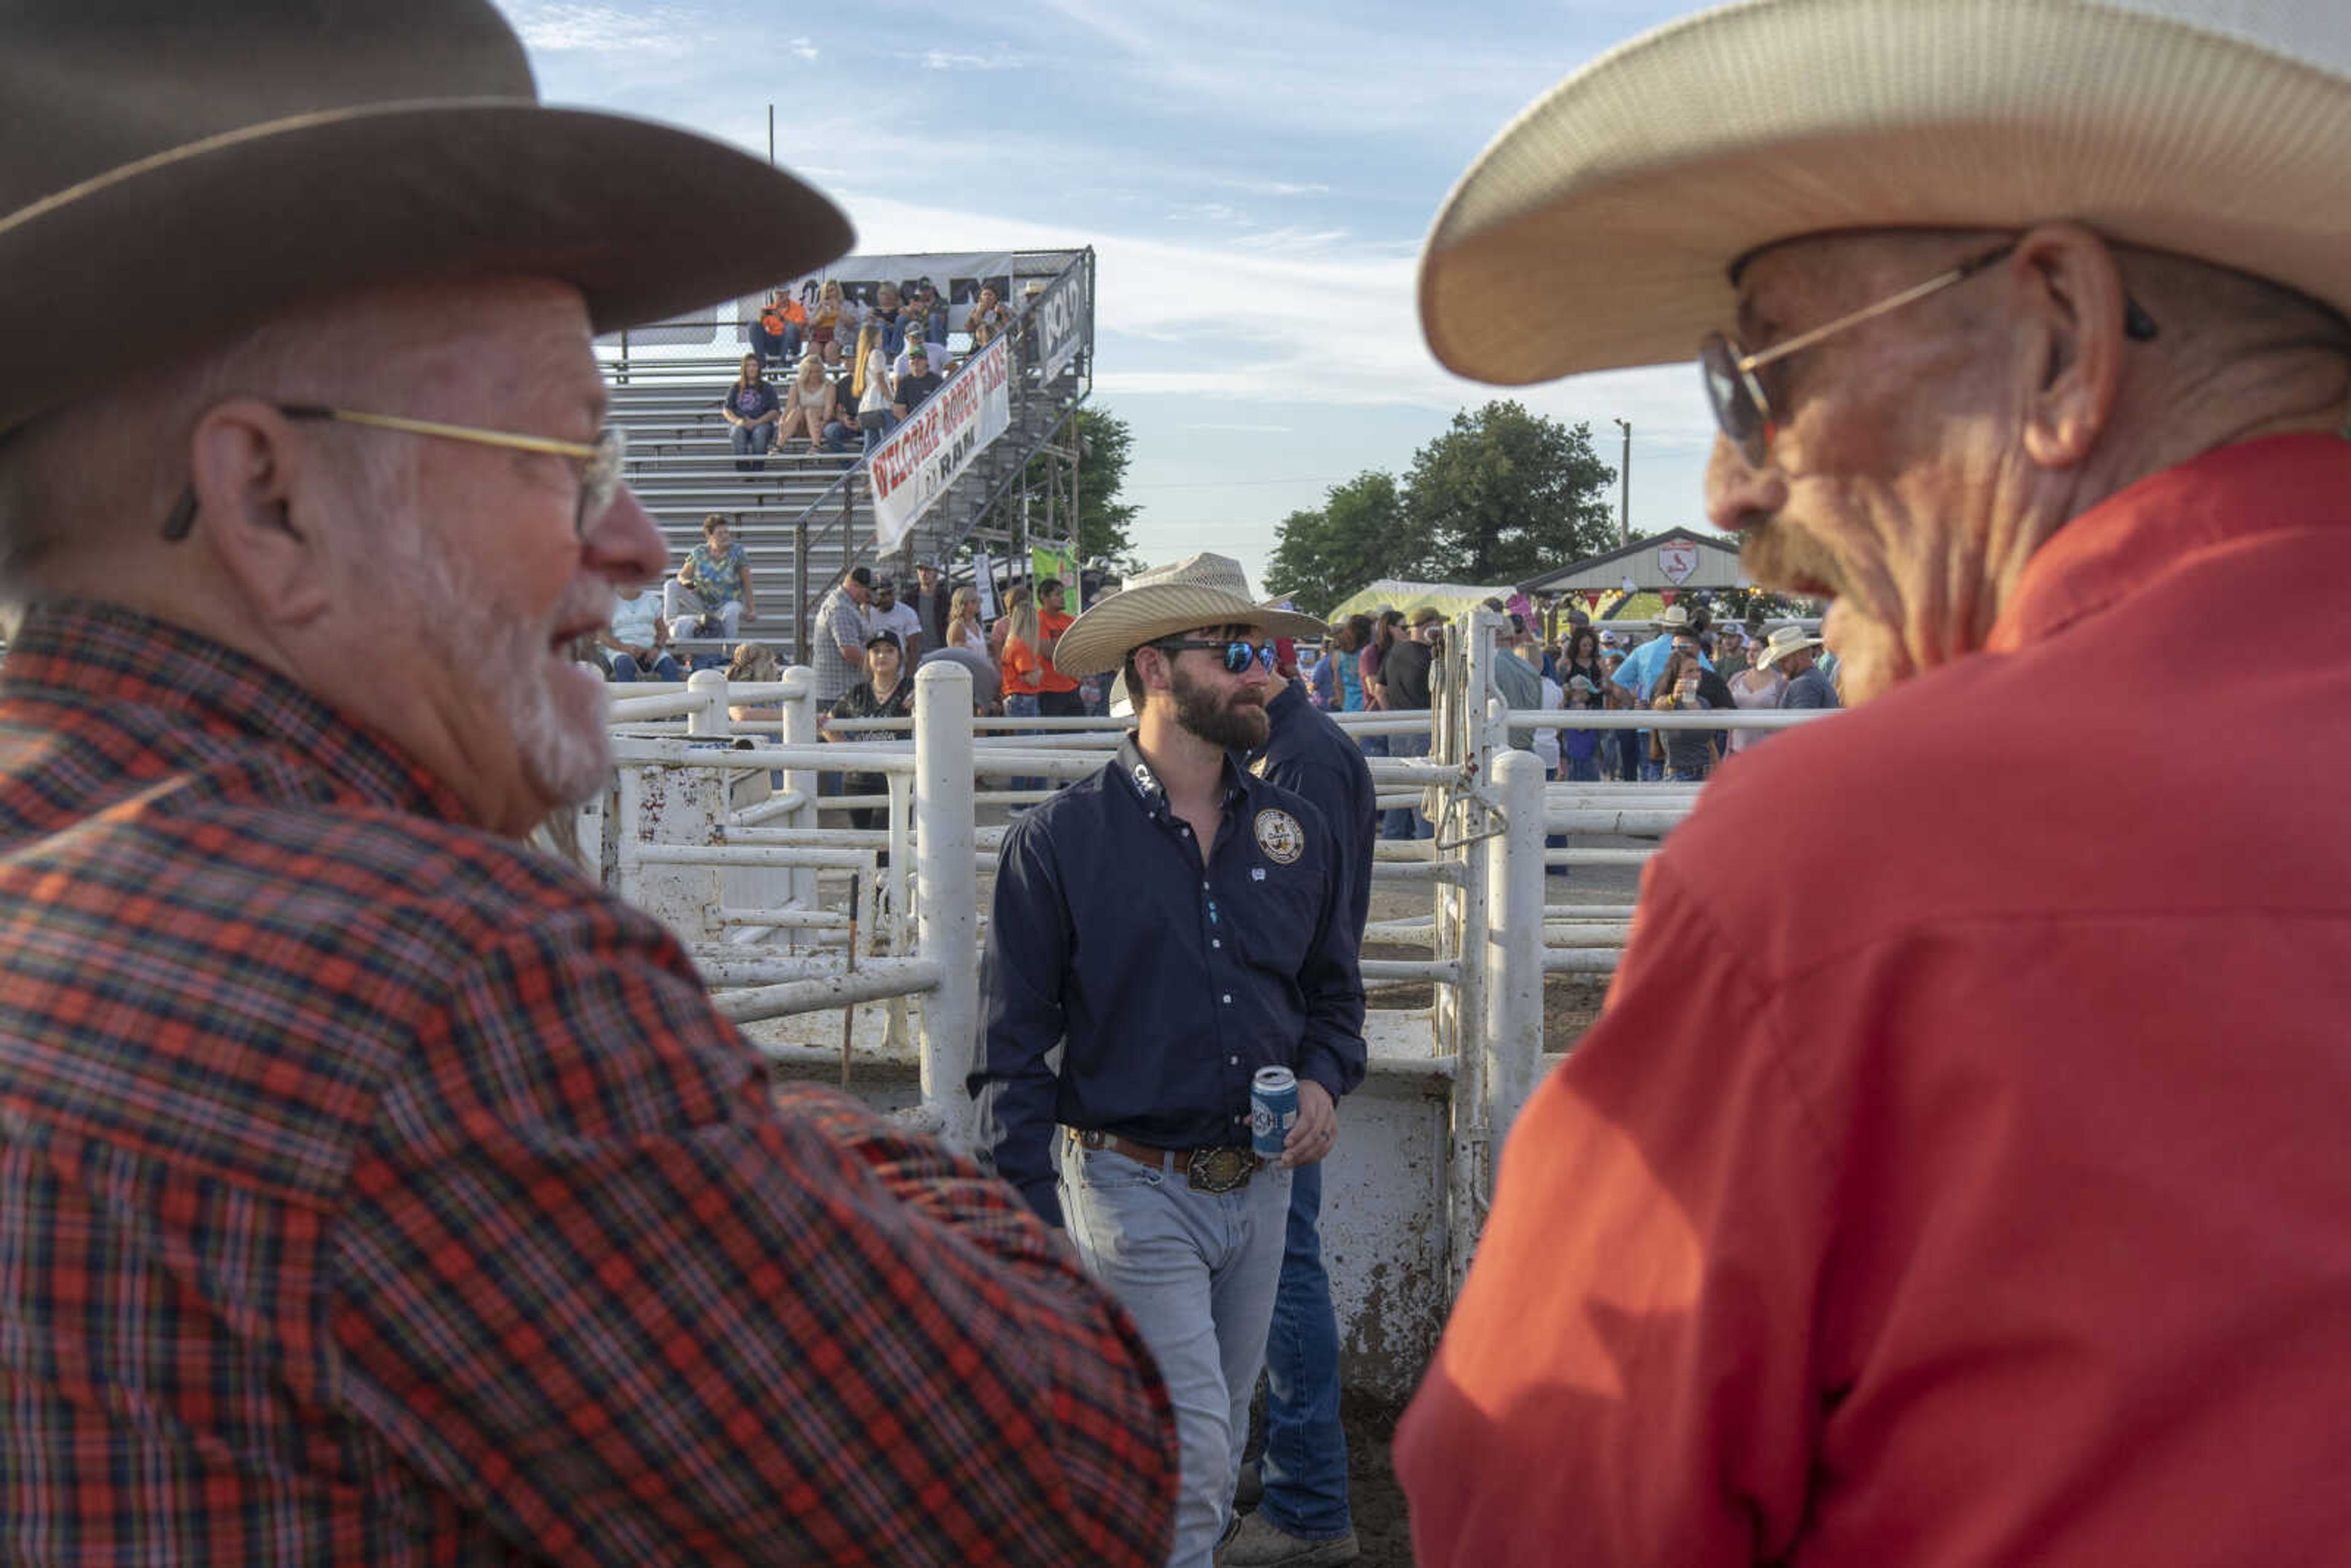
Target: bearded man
{"x": 1957, "y": 1173}
{"x": 371, "y": 1188}
{"x": 1174, "y": 923}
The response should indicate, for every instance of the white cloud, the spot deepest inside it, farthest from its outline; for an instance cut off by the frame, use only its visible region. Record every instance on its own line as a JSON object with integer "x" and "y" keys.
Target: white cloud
{"x": 997, "y": 59}
{"x": 556, "y": 26}
{"x": 1275, "y": 188}
{"x": 802, "y": 48}
{"x": 1336, "y": 325}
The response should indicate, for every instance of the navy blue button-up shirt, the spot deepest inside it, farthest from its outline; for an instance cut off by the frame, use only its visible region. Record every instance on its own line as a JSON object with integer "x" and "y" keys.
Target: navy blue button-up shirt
{"x": 1307, "y": 753}
{"x": 1169, "y": 980}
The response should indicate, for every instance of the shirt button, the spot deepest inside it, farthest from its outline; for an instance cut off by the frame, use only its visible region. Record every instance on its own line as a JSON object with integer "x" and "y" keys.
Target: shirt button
{"x": 1234, "y": 1059}
{"x": 1216, "y": 942}
{"x": 1228, "y": 998}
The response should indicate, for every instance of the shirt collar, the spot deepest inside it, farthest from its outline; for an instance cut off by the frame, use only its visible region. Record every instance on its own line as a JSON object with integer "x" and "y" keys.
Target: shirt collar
{"x": 2122, "y": 543}
{"x": 112, "y": 655}
{"x": 1141, "y": 779}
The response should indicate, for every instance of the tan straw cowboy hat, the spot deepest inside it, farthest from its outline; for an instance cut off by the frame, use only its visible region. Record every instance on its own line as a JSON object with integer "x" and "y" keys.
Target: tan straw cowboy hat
{"x": 2214, "y": 129}
{"x": 1783, "y": 641}
{"x": 1204, "y": 590}
{"x": 175, "y": 173}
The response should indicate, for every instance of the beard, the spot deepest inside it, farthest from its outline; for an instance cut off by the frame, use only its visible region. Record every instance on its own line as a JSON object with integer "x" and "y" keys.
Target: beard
{"x": 1234, "y": 723}
{"x": 552, "y": 715}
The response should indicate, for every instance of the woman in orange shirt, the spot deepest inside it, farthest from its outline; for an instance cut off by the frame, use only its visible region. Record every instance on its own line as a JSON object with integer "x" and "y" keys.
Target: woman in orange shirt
{"x": 1024, "y": 673}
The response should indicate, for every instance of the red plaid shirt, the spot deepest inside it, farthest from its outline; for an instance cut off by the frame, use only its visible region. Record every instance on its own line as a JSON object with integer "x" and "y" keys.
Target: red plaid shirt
{"x": 374, "y": 1190}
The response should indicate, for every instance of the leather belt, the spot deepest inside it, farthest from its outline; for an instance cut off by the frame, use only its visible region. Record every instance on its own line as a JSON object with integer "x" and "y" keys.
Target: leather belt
{"x": 1220, "y": 1168}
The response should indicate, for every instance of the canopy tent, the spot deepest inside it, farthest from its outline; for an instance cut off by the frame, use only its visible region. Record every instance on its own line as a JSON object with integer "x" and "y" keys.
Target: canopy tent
{"x": 1452, "y": 597}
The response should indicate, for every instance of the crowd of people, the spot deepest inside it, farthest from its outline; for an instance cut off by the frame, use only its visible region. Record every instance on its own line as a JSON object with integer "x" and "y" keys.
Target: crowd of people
{"x": 1955, "y": 1172}
{"x": 854, "y": 372}
{"x": 1678, "y": 663}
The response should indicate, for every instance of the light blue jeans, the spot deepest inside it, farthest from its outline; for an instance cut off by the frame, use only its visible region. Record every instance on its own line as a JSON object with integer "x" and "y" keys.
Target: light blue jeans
{"x": 1196, "y": 1271}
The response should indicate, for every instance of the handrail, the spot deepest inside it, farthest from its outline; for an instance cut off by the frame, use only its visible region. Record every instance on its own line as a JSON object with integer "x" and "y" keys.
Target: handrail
{"x": 812, "y": 597}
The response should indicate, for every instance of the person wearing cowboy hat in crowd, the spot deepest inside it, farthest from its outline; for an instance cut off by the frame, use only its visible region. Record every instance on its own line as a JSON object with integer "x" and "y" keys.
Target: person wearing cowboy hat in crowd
{"x": 1790, "y": 652}
{"x": 1998, "y": 1218}
{"x": 374, "y": 1188}
{"x": 1172, "y": 925}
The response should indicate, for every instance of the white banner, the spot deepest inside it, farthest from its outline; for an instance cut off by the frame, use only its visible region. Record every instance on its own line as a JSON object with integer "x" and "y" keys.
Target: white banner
{"x": 925, "y": 456}
{"x": 1061, "y": 321}
{"x": 1677, "y": 560}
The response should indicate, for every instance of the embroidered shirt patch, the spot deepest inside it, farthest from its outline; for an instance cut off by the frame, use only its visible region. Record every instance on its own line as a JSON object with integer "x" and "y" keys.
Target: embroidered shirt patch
{"x": 1280, "y": 836}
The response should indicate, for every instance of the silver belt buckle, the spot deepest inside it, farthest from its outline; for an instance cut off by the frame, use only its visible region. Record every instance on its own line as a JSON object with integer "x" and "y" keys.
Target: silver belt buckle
{"x": 1221, "y": 1169}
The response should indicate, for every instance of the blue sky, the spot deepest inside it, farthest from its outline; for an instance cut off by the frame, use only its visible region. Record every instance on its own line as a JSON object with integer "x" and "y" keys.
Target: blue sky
{"x": 1256, "y": 180}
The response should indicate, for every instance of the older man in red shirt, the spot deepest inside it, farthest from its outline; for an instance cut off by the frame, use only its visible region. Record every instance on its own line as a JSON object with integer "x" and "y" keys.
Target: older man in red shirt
{"x": 1958, "y": 1172}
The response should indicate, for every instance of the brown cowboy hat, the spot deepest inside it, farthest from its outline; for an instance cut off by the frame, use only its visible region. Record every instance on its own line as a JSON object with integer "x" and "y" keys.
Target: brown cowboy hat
{"x": 176, "y": 174}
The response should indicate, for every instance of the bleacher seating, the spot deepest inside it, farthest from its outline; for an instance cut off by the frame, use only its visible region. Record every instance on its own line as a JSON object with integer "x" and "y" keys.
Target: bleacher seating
{"x": 681, "y": 468}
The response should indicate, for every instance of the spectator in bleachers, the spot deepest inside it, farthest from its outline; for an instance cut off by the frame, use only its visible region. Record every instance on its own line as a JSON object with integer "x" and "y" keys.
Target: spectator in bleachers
{"x": 831, "y": 321}
{"x": 885, "y": 614}
{"x": 908, "y": 391}
{"x": 777, "y": 334}
{"x": 990, "y": 317}
{"x": 808, "y": 405}
{"x": 885, "y": 315}
{"x": 922, "y": 331}
{"x": 635, "y": 644}
{"x": 715, "y": 583}
{"x": 840, "y": 432}
{"x": 926, "y": 300}
{"x": 752, "y": 411}
{"x": 875, "y": 392}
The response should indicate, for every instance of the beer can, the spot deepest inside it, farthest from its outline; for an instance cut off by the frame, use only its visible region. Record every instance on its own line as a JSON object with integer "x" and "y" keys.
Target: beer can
{"x": 1274, "y": 1109}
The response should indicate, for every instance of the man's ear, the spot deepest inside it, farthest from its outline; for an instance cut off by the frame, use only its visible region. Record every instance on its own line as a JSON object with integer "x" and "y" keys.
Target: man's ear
{"x": 246, "y": 466}
{"x": 2070, "y": 304}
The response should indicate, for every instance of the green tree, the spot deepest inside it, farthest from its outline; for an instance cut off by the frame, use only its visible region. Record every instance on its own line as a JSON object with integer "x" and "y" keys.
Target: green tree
{"x": 1504, "y": 493}
{"x": 1358, "y": 533}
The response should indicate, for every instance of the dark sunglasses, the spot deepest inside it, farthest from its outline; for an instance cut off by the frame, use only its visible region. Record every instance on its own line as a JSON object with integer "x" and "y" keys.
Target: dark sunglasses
{"x": 1239, "y": 655}
{"x": 1743, "y": 413}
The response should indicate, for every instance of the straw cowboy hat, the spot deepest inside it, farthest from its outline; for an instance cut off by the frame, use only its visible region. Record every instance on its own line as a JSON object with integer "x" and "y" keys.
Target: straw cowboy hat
{"x": 178, "y": 173}
{"x": 2213, "y": 128}
{"x": 1202, "y": 590}
{"x": 1784, "y": 640}
{"x": 1672, "y": 618}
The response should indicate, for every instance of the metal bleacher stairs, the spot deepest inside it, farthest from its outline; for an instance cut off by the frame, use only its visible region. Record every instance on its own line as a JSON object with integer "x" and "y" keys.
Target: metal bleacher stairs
{"x": 804, "y": 518}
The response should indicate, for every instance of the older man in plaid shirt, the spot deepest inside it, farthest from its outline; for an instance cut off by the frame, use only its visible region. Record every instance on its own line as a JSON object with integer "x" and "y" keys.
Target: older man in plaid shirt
{"x": 373, "y": 1190}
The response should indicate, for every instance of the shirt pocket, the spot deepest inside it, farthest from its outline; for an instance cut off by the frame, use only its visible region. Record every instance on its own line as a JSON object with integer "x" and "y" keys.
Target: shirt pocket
{"x": 1274, "y": 922}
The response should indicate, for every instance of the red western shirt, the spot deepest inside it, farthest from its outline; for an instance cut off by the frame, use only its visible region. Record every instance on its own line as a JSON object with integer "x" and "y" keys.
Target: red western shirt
{"x": 1960, "y": 1171}
{"x": 373, "y": 1190}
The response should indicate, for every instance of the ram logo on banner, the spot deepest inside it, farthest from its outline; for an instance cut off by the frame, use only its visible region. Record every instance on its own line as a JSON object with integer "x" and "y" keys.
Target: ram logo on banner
{"x": 1061, "y": 331}
{"x": 922, "y": 456}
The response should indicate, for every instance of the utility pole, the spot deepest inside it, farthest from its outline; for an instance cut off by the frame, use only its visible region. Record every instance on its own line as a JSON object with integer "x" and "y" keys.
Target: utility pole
{"x": 771, "y": 136}
{"x": 1625, "y": 493}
